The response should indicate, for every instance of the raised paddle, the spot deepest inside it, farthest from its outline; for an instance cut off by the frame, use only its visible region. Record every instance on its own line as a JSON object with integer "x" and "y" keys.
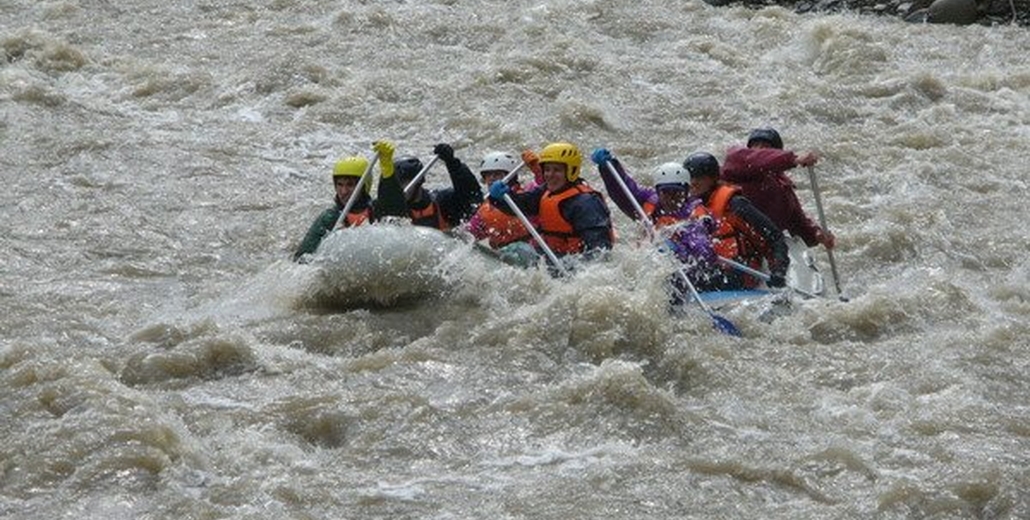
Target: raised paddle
{"x": 357, "y": 190}
{"x": 643, "y": 219}
{"x": 722, "y": 324}
{"x": 419, "y": 176}
{"x": 822, "y": 222}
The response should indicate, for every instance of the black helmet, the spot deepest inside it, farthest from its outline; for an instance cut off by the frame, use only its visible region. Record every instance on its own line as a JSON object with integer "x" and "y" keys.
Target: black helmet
{"x": 767, "y": 134}
{"x": 406, "y": 167}
{"x": 702, "y": 164}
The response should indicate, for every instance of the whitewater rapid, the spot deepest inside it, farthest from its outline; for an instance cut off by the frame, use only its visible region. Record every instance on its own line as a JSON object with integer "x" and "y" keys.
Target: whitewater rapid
{"x": 161, "y": 357}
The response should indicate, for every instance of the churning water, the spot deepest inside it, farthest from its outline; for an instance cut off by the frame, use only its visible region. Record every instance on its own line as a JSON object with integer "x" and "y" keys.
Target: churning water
{"x": 162, "y": 358}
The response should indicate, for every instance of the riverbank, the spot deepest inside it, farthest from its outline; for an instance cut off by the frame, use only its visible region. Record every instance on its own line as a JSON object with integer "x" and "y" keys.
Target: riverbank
{"x": 962, "y": 12}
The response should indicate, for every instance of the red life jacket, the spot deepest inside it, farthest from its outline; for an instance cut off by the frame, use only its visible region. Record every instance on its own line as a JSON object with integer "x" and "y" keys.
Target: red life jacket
{"x": 502, "y": 229}
{"x": 557, "y": 232}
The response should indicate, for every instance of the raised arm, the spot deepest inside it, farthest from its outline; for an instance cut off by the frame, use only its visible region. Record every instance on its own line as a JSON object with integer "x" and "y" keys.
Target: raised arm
{"x": 743, "y": 165}
{"x": 460, "y": 203}
{"x": 601, "y": 157}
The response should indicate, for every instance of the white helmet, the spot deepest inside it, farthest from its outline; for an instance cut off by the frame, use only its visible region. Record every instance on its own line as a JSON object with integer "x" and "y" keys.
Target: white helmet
{"x": 498, "y": 161}
{"x": 671, "y": 173}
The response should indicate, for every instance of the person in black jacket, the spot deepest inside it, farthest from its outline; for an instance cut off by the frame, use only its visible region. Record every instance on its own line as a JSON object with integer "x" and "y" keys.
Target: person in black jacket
{"x": 444, "y": 208}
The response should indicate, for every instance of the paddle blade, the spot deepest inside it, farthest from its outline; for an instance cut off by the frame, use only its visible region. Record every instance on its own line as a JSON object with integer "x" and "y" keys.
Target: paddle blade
{"x": 725, "y": 326}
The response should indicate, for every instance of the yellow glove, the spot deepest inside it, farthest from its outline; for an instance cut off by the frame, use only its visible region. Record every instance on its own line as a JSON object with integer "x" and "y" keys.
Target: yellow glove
{"x": 385, "y": 150}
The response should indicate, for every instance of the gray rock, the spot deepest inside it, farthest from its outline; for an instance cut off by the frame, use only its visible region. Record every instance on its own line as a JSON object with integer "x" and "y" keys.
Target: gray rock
{"x": 961, "y": 12}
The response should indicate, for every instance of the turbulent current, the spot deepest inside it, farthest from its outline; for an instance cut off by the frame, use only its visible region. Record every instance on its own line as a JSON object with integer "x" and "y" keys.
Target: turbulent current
{"x": 162, "y": 357}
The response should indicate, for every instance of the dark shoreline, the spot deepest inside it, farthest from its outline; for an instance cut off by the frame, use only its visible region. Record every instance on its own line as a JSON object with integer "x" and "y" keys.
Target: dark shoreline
{"x": 966, "y": 12}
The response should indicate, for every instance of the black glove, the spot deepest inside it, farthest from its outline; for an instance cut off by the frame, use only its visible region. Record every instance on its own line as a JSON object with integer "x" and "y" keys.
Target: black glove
{"x": 776, "y": 280}
{"x": 444, "y": 152}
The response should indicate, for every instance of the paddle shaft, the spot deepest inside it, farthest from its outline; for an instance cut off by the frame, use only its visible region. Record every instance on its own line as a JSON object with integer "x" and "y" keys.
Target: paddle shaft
{"x": 822, "y": 222}
{"x": 759, "y": 274}
{"x": 536, "y": 235}
{"x": 514, "y": 171}
{"x": 357, "y": 191}
{"x": 529, "y": 225}
{"x": 418, "y": 177}
{"x": 643, "y": 218}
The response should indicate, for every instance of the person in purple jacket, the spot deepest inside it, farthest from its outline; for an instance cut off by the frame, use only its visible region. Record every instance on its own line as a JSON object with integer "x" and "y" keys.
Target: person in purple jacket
{"x": 671, "y": 211}
{"x": 760, "y": 170}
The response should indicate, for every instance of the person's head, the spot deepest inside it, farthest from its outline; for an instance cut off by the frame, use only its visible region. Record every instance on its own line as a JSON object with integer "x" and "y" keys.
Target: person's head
{"x": 704, "y": 172}
{"x": 347, "y": 174}
{"x": 672, "y": 183}
{"x": 764, "y": 137}
{"x": 495, "y": 165}
{"x": 406, "y": 167}
{"x": 560, "y": 163}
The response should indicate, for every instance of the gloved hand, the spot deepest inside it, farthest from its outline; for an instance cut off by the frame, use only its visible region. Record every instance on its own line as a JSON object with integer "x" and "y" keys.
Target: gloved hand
{"x": 498, "y": 190}
{"x": 601, "y": 156}
{"x": 445, "y": 152}
{"x": 385, "y": 150}
{"x": 531, "y": 159}
{"x": 776, "y": 280}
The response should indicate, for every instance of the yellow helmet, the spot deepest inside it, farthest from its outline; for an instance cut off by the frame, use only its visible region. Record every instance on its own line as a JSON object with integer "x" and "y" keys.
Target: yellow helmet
{"x": 566, "y": 154}
{"x": 353, "y": 166}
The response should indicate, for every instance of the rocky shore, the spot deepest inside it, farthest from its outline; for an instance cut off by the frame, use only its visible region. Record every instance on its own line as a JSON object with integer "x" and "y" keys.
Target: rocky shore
{"x": 960, "y": 12}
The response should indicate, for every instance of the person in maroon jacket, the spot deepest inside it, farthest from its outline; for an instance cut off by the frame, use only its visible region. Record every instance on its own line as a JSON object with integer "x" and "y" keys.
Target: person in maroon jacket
{"x": 760, "y": 170}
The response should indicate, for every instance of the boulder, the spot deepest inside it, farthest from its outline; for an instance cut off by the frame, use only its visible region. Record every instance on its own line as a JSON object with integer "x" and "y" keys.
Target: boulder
{"x": 961, "y": 12}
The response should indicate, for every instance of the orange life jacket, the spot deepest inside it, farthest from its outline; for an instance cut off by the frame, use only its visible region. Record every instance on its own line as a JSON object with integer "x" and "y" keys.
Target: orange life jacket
{"x": 502, "y": 228}
{"x": 733, "y": 238}
{"x": 429, "y": 216}
{"x": 557, "y": 232}
{"x": 357, "y": 218}
{"x": 661, "y": 220}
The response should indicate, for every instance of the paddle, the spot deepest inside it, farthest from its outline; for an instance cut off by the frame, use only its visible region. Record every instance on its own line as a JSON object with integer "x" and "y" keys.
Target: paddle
{"x": 722, "y": 324}
{"x": 822, "y": 222}
{"x": 419, "y": 176}
{"x": 759, "y": 274}
{"x": 357, "y": 191}
{"x": 514, "y": 171}
{"x": 643, "y": 220}
{"x": 529, "y": 225}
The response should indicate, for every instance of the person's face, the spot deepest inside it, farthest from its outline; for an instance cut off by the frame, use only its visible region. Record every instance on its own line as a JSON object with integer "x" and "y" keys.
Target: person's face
{"x": 554, "y": 175}
{"x": 671, "y": 198}
{"x": 345, "y": 186}
{"x": 760, "y": 144}
{"x": 701, "y": 185}
{"x": 492, "y": 176}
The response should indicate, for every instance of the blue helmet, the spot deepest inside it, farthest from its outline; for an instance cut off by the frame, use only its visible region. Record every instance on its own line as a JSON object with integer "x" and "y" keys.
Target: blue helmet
{"x": 766, "y": 134}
